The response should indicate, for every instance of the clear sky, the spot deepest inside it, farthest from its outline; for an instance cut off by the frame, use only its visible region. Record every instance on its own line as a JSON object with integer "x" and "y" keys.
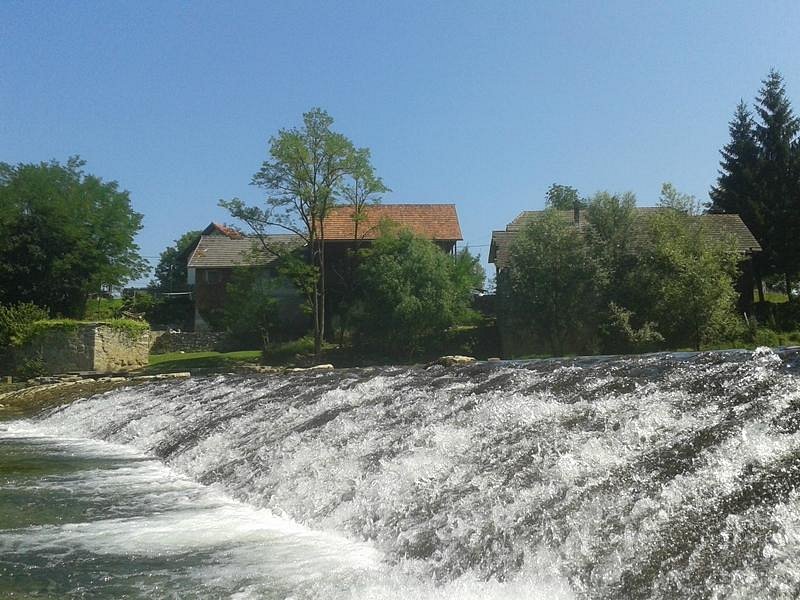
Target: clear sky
{"x": 483, "y": 104}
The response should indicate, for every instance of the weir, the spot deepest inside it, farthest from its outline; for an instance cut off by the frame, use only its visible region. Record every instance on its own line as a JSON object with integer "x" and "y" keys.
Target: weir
{"x": 658, "y": 476}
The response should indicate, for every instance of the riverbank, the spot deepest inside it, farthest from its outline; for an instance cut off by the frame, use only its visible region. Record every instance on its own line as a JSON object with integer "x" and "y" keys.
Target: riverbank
{"x": 20, "y": 399}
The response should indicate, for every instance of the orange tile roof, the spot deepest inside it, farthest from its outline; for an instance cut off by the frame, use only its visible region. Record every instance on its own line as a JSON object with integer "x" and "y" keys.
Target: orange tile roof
{"x": 216, "y": 228}
{"x": 432, "y": 221}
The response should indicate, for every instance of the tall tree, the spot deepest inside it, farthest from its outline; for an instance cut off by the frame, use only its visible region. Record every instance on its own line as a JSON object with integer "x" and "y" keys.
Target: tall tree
{"x": 670, "y": 197}
{"x": 362, "y": 188}
{"x": 759, "y": 179}
{"x": 563, "y": 197}
{"x": 555, "y": 285}
{"x": 687, "y": 277}
{"x": 63, "y": 235}
{"x": 303, "y": 179}
{"x": 610, "y": 237}
{"x": 170, "y": 272}
{"x": 776, "y": 134}
{"x": 410, "y": 292}
{"x": 735, "y": 191}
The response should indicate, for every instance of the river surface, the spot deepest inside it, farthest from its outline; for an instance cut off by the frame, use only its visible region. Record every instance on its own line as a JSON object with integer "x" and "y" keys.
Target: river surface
{"x": 660, "y": 476}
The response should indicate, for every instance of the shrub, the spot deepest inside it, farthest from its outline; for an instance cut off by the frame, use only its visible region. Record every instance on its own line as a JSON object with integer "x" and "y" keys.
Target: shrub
{"x": 550, "y": 298}
{"x": 620, "y": 336}
{"x": 16, "y": 320}
{"x": 410, "y": 292}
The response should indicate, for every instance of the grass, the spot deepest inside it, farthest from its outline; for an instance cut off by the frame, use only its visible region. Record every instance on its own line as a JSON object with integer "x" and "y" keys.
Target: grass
{"x": 775, "y": 297}
{"x": 174, "y": 362}
{"x": 103, "y": 309}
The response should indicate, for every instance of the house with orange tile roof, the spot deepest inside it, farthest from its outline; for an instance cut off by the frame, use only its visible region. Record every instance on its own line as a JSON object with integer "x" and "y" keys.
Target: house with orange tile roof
{"x": 221, "y": 249}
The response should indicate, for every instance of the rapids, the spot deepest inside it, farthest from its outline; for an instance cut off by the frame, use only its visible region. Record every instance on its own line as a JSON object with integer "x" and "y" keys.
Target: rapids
{"x": 661, "y": 476}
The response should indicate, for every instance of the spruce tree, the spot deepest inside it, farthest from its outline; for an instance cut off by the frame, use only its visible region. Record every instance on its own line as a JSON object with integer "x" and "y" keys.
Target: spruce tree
{"x": 735, "y": 189}
{"x": 777, "y": 177}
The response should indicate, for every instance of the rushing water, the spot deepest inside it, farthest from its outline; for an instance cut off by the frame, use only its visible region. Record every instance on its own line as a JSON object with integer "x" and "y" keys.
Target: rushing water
{"x": 653, "y": 477}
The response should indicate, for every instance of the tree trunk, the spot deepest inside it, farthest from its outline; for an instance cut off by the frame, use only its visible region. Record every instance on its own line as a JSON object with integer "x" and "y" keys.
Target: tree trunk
{"x": 788, "y": 286}
{"x": 318, "y": 344}
{"x": 759, "y": 280}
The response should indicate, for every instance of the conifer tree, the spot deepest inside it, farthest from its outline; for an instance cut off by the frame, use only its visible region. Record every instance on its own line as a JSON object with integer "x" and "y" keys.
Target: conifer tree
{"x": 759, "y": 179}
{"x": 734, "y": 192}
{"x": 778, "y": 187}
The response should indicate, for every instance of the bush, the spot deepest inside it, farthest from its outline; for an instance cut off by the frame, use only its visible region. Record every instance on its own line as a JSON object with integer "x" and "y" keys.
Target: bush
{"x": 782, "y": 316}
{"x": 262, "y": 307}
{"x": 409, "y": 293}
{"x": 550, "y": 297}
{"x": 620, "y": 336}
{"x": 16, "y": 320}
{"x": 282, "y": 353}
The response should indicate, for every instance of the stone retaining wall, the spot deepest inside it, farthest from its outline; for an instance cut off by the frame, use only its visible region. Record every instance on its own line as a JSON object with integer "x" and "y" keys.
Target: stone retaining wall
{"x": 87, "y": 347}
{"x": 196, "y": 341}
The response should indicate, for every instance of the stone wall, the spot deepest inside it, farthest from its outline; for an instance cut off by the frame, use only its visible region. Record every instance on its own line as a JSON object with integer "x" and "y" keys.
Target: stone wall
{"x": 87, "y": 347}
{"x": 195, "y": 341}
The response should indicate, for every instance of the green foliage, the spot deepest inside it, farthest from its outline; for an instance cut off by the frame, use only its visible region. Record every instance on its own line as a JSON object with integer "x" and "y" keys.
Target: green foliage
{"x": 103, "y": 309}
{"x": 170, "y": 273}
{"x": 173, "y": 362}
{"x": 251, "y": 309}
{"x": 410, "y": 293}
{"x": 563, "y": 197}
{"x": 363, "y": 187}
{"x": 610, "y": 228}
{"x": 30, "y": 367}
{"x": 16, "y": 320}
{"x": 781, "y": 316}
{"x": 304, "y": 178}
{"x": 126, "y": 327}
{"x": 287, "y": 352}
{"x": 63, "y": 235}
{"x": 160, "y": 312}
{"x": 671, "y": 198}
{"x": 621, "y": 337}
{"x": 689, "y": 279}
{"x": 623, "y": 282}
{"x": 760, "y": 177}
{"x": 556, "y": 286}
{"x": 139, "y": 304}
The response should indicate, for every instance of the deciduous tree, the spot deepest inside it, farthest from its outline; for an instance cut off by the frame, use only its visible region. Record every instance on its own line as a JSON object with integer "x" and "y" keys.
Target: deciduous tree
{"x": 563, "y": 197}
{"x": 410, "y": 292}
{"x": 556, "y": 286}
{"x": 63, "y": 235}
{"x": 170, "y": 273}
{"x": 304, "y": 178}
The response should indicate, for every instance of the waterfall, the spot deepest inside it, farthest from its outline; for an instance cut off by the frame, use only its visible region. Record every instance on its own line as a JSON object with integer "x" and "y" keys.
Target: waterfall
{"x": 660, "y": 476}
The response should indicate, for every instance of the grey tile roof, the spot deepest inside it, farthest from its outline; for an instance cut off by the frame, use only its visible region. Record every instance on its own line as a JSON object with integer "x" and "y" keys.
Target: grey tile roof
{"x": 717, "y": 226}
{"x": 220, "y": 251}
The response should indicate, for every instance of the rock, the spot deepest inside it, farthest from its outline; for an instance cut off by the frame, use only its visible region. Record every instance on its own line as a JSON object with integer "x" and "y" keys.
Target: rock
{"x": 178, "y": 375}
{"x": 325, "y": 367}
{"x": 493, "y": 359}
{"x": 453, "y": 360}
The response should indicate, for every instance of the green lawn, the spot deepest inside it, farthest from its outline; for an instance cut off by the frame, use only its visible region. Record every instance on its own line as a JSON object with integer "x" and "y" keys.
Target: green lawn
{"x": 175, "y": 361}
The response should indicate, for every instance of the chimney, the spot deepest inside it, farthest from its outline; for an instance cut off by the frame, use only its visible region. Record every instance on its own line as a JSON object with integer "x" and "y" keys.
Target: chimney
{"x": 576, "y": 212}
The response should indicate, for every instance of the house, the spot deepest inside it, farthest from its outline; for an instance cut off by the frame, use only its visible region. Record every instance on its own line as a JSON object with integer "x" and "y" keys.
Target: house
{"x": 212, "y": 260}
{"x": 715, "y": 226}
{"x": 436, "y": 222}
{"x": 220, "y": 249}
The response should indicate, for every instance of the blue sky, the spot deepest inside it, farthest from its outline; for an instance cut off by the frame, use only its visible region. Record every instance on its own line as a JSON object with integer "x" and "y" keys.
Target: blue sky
{"x": 483, "y": 104}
